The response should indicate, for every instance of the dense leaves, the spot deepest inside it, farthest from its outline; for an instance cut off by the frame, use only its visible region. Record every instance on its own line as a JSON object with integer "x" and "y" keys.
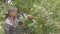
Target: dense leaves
{"x": 46, "y": 15}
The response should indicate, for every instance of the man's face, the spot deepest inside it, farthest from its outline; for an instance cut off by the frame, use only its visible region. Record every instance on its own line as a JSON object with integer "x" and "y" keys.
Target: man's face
{"x": 13, "y": 13}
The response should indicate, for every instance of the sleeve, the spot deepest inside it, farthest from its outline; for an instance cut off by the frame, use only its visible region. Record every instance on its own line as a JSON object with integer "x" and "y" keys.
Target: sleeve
{"x": 6, "y": 26}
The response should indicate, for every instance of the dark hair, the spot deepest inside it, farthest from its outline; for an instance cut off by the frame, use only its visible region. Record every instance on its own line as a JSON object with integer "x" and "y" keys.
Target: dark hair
{"x": 6, "y": 15}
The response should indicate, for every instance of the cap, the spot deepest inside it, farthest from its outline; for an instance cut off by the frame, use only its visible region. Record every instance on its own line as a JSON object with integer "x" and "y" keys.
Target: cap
{"x": 12, "y": 9}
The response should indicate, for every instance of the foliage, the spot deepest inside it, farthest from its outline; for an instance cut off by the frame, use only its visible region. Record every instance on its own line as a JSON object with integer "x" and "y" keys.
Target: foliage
{"x": 46, "y": 12}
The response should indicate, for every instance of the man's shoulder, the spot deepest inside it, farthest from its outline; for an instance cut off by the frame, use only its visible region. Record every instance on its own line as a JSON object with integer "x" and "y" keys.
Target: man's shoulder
{"x": 7, "y": 21}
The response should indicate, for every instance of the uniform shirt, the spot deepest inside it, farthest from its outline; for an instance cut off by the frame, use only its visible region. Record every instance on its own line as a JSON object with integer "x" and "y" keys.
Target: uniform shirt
{"x": 11, "y": 26}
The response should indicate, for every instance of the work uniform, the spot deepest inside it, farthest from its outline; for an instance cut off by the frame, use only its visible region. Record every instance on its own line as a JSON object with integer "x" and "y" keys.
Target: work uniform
{"x": 11, "y": 26}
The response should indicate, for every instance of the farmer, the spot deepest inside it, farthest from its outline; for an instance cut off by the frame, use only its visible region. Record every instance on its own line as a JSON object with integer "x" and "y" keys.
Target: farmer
{"x": 11, "y": 25}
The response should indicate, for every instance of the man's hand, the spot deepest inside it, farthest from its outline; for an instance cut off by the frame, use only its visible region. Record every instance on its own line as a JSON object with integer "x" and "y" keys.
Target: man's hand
{"x": 30, "y": 16}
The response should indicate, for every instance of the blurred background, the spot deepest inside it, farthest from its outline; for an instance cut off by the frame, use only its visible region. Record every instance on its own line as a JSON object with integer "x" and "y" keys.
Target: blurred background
{"x": 46, "y": 14}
